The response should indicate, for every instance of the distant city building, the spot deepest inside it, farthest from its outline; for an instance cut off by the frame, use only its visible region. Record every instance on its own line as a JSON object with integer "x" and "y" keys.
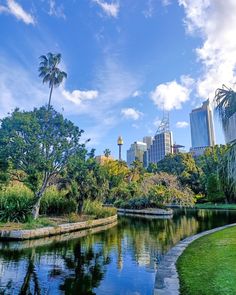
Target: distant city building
{"x": 136, "y": 152}
{"x": 148, "y": 140}
{"x": 160, "y": 147}
{"x": 101, "y": 159}
{"x": 230, "y": 130}
{"x": 202, "y": 130}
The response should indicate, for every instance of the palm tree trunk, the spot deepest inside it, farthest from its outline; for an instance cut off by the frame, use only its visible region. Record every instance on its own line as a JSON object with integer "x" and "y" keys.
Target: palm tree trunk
{"x": 50, "y": 97}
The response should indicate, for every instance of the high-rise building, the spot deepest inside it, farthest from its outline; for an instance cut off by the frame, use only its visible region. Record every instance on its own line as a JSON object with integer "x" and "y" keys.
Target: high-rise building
{"x": 148, "y": 140}
{"x": 230, "y": 129}
{"x": 160, "y": 147}
{"x": 136, "y": 152}
{"x": 202, "y": 129}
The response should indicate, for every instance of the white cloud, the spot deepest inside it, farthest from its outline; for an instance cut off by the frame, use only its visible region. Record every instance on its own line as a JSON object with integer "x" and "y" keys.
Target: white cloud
{"x": 55, "y": 10}
{"x": 136, "y": 93}
{"x": 166, "y": 2}
{"x": 172, "y": 95}
{"x": 78, "y": 96}
{"x": 96, "y": 110}
{"x": 182, "y": 124}
{"x": 110, "y": 9}
{"x": 214, "y": 21}
{"x": 130, "y": 113}
{"x": 16, "y": 10}
{"x": 148, "y": 12}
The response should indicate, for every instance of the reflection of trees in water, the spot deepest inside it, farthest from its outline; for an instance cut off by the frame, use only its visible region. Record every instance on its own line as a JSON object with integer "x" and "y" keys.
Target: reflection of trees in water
{"x": 78, "y": 266}
{"x": 31, "y": 279}
{"x": 87, "y": 266}
{"x": 30, "y": 283}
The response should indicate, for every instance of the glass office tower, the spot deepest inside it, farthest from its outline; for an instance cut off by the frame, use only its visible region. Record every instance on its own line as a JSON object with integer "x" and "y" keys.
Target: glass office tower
{"x": 136, "y": 152}
{"x": 202, "y": 130}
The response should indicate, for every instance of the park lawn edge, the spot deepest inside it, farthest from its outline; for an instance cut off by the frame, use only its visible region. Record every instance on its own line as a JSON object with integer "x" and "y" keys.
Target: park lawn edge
{"x": 207, "y": 265}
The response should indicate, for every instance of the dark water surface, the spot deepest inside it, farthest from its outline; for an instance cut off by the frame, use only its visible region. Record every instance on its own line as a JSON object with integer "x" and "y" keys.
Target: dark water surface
{"x": 120, "y": 260}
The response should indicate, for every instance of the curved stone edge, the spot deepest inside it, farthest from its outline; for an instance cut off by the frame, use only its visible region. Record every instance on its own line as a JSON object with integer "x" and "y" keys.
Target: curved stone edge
{"x": 45, "y": 241}
{"x": 167, "y": 280}
{"x": 52, "y": 231}
{"x": 146, "y": 212}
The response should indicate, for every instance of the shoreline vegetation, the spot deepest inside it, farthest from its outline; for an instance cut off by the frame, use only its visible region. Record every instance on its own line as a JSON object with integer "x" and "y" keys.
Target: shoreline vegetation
{"x": 207, "y": 266}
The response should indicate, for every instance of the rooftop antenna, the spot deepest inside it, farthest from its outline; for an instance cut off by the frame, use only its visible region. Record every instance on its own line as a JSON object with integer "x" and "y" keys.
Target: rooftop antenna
{"x": 164, "y": 126}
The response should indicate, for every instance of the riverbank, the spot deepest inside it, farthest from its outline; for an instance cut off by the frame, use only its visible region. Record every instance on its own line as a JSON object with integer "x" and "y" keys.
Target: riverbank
{"x": 207, "y": 266}
{"x": 216, "y": 206}
{"x": 46, "y": 231}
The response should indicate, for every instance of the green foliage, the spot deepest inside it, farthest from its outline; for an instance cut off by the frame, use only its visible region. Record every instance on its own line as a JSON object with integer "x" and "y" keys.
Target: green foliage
{"x": 85, "y": 179}
{"x": 38, "y": 144}
{"x": 185, "y": 168}
{"x": 95, "y": 208}
{"x": 56, "y": 202}
{"x": 214, "y": 191}
{"x": 15, "y": 204}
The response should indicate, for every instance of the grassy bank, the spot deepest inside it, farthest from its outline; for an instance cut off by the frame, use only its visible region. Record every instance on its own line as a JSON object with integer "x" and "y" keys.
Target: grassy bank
{"x": 207, "y": 266}
{"x": 216, "y": 206}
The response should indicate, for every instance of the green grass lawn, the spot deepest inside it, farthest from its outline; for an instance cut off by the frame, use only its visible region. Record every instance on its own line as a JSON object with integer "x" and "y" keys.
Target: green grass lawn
{"x": 216, "y": 206}
{"x": 208, "y": 265}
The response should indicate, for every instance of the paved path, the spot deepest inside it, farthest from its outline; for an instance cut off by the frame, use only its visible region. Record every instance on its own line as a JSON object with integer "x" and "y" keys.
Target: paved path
{"x": 167, "y": 280}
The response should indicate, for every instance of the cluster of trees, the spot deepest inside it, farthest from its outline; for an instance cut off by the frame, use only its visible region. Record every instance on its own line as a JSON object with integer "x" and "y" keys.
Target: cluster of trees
{"x": 41, "y": 148}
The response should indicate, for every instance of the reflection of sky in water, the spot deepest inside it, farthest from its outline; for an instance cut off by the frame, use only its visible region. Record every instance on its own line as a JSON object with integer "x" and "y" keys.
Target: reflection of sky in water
{"x": 121, "y": 260}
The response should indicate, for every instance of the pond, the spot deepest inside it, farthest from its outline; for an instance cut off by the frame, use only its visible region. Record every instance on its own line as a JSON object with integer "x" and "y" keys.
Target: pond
{"x": 120, "y": 260}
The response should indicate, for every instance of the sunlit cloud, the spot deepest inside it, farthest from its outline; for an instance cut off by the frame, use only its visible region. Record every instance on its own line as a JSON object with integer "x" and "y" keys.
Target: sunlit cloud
{"x": 15, "y": 9}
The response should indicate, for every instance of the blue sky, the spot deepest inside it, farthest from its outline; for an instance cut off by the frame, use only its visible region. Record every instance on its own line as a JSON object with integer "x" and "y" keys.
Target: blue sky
{"x": 126, "y": 60}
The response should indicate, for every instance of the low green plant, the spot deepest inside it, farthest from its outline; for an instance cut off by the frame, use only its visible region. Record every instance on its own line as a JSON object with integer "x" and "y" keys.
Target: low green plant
{"x": 55, "y": 202}
{"x": 15, "y": 204}
{"x": 96, "y": 209}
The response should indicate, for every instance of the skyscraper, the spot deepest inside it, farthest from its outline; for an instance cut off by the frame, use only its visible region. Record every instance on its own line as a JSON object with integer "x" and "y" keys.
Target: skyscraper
{"x": 160, "y": 147}
{"x": 202, "y": 130}
{"x": 136, "y": 152}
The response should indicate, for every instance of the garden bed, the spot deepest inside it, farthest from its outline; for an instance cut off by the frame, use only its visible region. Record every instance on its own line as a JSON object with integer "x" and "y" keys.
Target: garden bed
{"x": 9, "y": 233}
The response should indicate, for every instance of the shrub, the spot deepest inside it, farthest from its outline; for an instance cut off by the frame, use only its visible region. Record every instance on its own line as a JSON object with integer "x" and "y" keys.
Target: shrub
{"x": 95, "y": 208}
{"x": 15, "y": 204}
{"x": 55, "y": 202}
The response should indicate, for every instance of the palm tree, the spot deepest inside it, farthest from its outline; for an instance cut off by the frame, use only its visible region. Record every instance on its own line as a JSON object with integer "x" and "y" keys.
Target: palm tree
{"x": 49, "y": 71}
{"x": 107, "y": 153}
{"x": 225, "y": 99}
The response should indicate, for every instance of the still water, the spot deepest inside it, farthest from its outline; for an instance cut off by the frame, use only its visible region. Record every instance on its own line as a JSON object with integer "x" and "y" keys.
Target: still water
{"x": 120, "y": 260}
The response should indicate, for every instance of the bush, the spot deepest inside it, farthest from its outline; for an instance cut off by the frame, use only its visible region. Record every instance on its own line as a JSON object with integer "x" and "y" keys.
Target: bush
{"x": 15, "y": 204}
{"x": 56, "y": 202}
{"x": 95, "y": 208}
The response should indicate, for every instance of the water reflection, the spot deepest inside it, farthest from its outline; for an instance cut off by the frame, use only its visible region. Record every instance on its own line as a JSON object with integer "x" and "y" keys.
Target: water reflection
{"x": 121, "y": 260}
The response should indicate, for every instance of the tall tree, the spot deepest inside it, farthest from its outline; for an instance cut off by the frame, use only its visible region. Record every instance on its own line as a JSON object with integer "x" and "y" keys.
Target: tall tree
{"x": 225, "y": 99}
{"x": 40, "y": 151}
{"x": 50, "y": 72}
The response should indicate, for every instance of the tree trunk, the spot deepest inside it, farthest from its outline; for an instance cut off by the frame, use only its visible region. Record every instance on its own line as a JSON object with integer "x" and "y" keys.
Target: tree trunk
{"x": 38, "y": 197}
{"x": 50, "y": 97}
{"x": 80, "y": 204}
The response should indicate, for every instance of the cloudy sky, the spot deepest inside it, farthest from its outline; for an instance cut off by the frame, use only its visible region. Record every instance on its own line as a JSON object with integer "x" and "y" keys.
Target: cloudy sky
{"x": 126, "y": 61}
